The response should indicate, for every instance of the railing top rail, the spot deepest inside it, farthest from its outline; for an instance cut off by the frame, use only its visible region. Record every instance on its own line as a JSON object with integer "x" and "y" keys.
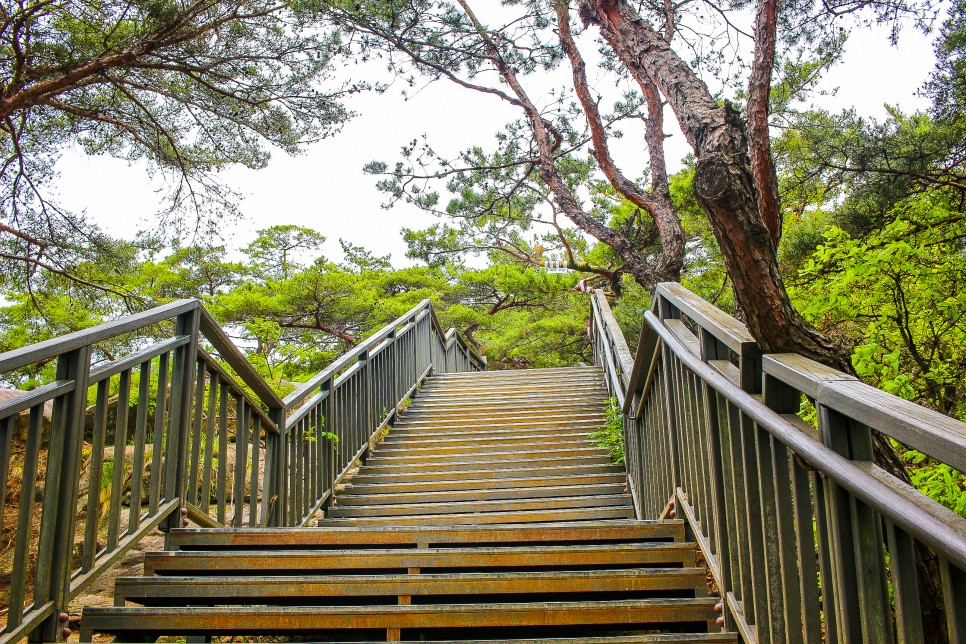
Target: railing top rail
{"x": 33, "y": 353}
{"x": 923, "y": 429}
{"x": 237, "y": 361}
{"x": 229, "y": 381}
{"x": 316, "y": 381}
{"x": 474, "y": 356}
{"x": 937, "y": 527}
{"x": 617, "y": 344}
{"x": 722, "y": 326}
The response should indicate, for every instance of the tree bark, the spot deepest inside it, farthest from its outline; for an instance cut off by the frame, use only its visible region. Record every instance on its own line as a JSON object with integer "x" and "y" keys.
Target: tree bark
{"x": 724, "y": 183}
{"x": 734, "y": 192}
{"x": 635, "y": 262}
{"x": 670, "y": 259}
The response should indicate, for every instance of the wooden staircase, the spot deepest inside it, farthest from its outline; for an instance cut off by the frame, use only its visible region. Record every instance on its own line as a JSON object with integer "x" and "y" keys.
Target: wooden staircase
{"x": 487, "y": 514}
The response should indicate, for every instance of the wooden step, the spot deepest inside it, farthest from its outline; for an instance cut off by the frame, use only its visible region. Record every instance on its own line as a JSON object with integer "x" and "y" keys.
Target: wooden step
{"x": 655, "y": 638}
{"x": 483, "y": 390}
{"x": 261, "y": 562}
{"x": 542, "y": 401}
{"x": 422, "y": 496}
{"x": 499, "y": 505}
{"x": 526, "y": 373}
{"x": 480, "y": 485}
{"x": 531, "y": 407}
{"x": 518, "y": 516}
{"x": 416, "y": 441}
{"x": 347, "y": 589}
{"x": 474, "y": 462}
{"x": 577, "y": 420}
{"x": 556, "y": 373}
{"x": 401, "y": 432}
{"x": 416, "y": 459}
{"x": 122, "y": 621}
{"x": 367, "y": 475}
{"x": 404, "y": 536}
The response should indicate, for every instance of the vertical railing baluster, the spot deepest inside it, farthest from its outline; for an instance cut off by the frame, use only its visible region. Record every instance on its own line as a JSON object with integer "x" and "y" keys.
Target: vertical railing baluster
{"x": 860, "y": 583}
{"x": 28, "y": 487}
{"x": 242, "y": 420}
{"x": 905, "y": 584}
{"x": 157, "y": 447}
{"x": 954, "y": 598}
{"x": 209, "y": 442}
{"x": 278, "y": 491}
{"x": 222, "y": 508}
{"x": 140, "y": 435}
{"x": 720, "y": 477}
{"x": 756, "y": 588}
{"x": 117, "y": 467}
{"x": 253, "y": 480}
{"x": 95, "y": 475}
{"x": 194, "y": 464}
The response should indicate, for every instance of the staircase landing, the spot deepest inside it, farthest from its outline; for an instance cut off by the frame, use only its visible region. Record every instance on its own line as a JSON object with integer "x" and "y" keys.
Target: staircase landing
{"x": 487, "y": 514}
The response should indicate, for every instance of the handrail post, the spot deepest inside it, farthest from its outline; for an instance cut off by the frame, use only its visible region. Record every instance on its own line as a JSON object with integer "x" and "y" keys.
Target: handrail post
{"x": 182, "y": 388}
{"x": 278, "y": 490}
{"x": 366, "y": 401}
{"x": 59, "y": 515}
{"x": 393, "y": 360}
{"x": 854, "y": 536}
{"x": 667, "y": 311}
{"x": 331, "y": 420}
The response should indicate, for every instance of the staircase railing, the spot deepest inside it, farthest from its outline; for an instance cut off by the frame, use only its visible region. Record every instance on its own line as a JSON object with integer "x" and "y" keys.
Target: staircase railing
{"x": 169, "y": 433}
{"x": 807, "y": 540}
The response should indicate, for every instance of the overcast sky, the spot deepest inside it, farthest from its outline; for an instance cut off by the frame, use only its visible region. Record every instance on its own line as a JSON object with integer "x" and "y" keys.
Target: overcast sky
{"x": 325, "y": 188}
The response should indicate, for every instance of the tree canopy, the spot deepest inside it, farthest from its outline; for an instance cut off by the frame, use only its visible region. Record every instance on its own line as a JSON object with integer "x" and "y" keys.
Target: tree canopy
{"x": 188, "y": 87}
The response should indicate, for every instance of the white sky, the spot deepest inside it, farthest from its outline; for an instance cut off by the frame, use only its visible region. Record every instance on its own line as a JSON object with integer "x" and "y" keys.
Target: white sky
{"x": 326, "y": 189}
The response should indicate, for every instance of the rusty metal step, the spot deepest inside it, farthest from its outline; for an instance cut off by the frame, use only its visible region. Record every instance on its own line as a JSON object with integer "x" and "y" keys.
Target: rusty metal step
{"x": 288, "y": 562}
{"x": 480, "y": 485}
{"x": 232, "y": 620}
{"x": 520, "y": 516}
{"x": 497, "y": 505}
{"x": 423, "y": 496}
{"x": 182, "y": 591}
{"x": 406, "y": 536}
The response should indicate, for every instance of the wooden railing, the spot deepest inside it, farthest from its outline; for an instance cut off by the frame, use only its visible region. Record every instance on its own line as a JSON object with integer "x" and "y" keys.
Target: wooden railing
{"x": 209, "y": 441}
{"x": 806, "y": 538}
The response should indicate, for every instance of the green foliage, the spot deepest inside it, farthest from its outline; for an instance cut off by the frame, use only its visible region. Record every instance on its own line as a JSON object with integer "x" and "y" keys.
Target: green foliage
{"x": 938, "y": 481}
{"x": 611, "y": 435}
{"x": 188, "y": 88}
{"x": 897, "y": 294}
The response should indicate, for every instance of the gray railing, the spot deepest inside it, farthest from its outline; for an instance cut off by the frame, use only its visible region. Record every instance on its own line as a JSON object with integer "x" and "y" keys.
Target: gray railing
{"x": 169, "y": 433}
{"x": 807, "y": 540}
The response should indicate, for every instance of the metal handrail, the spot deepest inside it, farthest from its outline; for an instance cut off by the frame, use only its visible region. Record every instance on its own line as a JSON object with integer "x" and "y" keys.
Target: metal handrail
{"x": 712, "y": 435}
{"x": 172, "y": 415}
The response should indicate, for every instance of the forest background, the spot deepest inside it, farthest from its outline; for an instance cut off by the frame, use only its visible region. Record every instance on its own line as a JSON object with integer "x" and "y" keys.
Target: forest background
{"x": 872, "y": 232}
